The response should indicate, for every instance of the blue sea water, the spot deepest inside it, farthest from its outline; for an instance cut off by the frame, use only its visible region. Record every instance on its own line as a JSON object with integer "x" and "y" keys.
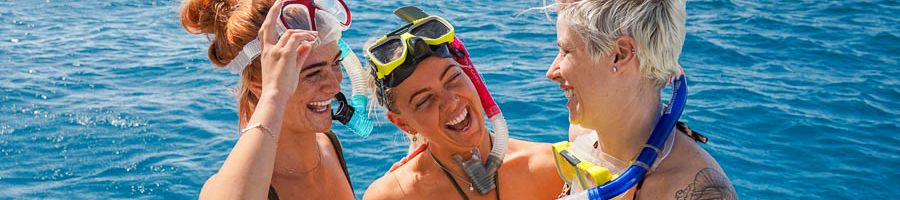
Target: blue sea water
{"x": 113, "y": 99}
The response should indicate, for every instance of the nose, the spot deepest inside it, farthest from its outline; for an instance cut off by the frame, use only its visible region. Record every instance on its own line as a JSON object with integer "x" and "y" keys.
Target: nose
{"x": 332, "y": 82}
{"x": 450, "y": 100}
{"x": 553, "y": 72}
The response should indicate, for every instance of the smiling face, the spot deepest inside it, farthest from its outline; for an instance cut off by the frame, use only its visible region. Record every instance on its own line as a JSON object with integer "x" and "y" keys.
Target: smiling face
{"x": 440, "y": 102}
{"x": 320, "y": 79}
{"x": 589, "y": 83}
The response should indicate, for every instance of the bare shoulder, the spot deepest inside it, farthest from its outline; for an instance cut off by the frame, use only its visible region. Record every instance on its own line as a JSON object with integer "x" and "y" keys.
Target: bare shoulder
{"x": 529, "y": 149}
{"x": 690, "y": 173}
{"x": 385, "y": 187}
{"x": 531, "y": 163}
{"x": 537, "y": 156}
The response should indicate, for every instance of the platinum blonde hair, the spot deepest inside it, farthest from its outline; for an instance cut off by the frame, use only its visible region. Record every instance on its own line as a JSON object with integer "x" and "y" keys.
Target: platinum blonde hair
{"x": 657, "y": 27}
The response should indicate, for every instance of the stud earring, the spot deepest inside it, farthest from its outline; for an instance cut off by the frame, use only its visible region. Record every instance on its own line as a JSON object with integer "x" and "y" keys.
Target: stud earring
{"x": 615, "y": 69}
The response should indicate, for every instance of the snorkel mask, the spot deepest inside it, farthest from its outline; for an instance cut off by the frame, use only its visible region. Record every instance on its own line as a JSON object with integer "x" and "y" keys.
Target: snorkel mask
{"x": 604, "y": 183}
{"x": 329, "y": 18}
{"x": 428, "y": 35}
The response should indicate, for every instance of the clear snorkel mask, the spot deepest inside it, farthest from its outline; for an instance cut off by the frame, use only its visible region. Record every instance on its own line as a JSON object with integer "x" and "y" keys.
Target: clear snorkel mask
{"x": 329, "y": 18}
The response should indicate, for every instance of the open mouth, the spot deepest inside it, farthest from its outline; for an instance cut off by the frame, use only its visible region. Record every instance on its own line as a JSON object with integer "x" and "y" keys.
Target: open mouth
{"x": 568, "y": 90}
{"x": 461, "y": 122}
{"x": 319, "y": 106}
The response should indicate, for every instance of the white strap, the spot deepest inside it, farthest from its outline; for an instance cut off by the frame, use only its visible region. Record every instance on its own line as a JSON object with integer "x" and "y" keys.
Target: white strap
{"x": 247, "y": 54}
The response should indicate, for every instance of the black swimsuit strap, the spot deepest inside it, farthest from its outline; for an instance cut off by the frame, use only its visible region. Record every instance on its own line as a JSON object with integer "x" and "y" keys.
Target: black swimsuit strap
{"x": 456, "y": 185}
{"x": 449, "y": 176}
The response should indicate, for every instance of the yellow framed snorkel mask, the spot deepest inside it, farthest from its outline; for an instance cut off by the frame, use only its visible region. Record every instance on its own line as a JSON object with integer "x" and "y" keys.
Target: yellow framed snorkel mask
{"x": 572, "y": 169}
{"x": 433, "y": 30}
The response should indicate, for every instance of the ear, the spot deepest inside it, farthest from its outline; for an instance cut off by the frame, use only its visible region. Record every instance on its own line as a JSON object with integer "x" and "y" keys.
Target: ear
{"x": 400, "y": 122}
{"x": 624, "y": 51}
{"x": 255, "y": 88}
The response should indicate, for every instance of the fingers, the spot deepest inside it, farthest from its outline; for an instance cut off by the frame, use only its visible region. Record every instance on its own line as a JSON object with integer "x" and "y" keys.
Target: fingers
{"x": 297, "y": 43}
{"x": 292, "y": 38}
{"x": 267, "y": 33}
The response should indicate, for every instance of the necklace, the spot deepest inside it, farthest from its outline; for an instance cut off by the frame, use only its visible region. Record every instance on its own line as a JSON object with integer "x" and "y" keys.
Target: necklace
{"x": 438, "y": 163}
{"x": 318, "y": 163}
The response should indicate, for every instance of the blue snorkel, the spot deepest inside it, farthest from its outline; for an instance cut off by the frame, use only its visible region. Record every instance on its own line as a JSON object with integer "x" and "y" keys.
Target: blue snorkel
{"x": 646, "y": 158}
{"x": 353, "y": 113}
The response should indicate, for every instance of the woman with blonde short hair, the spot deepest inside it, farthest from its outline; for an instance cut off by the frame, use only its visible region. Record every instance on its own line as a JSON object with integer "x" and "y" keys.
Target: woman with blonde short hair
{"x": 615, "y": 57}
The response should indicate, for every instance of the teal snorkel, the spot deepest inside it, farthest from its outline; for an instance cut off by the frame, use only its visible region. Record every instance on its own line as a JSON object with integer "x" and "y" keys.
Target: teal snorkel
{"x": 355, "y": 113}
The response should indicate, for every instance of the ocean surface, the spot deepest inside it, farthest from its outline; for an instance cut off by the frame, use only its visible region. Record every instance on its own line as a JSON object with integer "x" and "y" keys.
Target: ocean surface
{"x": 113, "y": 99}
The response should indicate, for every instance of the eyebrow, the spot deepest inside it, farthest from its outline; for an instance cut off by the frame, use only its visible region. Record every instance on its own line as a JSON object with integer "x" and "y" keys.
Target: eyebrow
{"x": 319, "y": 64}
{"x": 423, "y": 90}
{"x": 444, "y": 74}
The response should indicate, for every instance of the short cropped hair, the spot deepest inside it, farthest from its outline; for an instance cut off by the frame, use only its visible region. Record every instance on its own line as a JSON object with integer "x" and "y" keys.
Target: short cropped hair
{"x": 657, "y": 27}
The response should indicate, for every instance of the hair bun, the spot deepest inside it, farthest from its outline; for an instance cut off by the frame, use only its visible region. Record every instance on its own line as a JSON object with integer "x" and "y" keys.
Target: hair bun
{"x": 205, "y": 16}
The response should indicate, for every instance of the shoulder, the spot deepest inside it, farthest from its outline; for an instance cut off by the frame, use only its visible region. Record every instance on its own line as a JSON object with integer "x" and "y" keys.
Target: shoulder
{"x": 385, "y": 187}
{"x": 689, "y": 173}
{"x": 534, "y": 155}
{"x": 536, "y": 158}
{"x": 530, "y": 162}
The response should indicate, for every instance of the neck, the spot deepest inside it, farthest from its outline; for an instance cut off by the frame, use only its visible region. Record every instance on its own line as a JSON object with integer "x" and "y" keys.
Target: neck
{"x": 625, "y": 136}
{"x": 297, "y": 153}
{"x": 445, "y": 157}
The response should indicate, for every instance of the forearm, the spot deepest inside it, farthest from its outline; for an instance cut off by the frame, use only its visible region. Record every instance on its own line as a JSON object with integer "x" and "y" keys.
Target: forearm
{"x": 247, "y": 172}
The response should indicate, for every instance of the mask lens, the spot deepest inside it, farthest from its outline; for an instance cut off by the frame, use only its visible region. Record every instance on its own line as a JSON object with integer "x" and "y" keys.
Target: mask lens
{"x": 296, "y": 16}
{"x": 336, "y": 8}
{"x": 388, "y": 51}
{"x": 431, "y": 29}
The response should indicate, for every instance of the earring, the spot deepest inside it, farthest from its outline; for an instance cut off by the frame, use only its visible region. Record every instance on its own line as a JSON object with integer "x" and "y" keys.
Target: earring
{"x": 415, "y": 136}
{"x": 615, "y": 69}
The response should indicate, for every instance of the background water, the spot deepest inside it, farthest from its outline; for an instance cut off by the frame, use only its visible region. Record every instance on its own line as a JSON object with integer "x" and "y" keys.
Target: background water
{"x": 113, "y": 99}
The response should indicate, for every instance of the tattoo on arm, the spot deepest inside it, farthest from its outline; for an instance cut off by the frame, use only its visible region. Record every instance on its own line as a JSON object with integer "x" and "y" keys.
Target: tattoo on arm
{"x": 708, "y": 184}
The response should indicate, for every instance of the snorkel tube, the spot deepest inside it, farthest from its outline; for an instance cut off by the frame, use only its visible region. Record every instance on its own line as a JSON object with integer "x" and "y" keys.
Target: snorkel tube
{"x": 481, "y": 174}
{"x": 355, "y": 113}
{"x": 645, "y": 160}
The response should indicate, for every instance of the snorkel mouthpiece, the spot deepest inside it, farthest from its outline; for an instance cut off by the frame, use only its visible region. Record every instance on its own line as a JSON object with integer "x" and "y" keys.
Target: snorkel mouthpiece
{"x": 476, "y": 172}
{"x": 344, "y": 111}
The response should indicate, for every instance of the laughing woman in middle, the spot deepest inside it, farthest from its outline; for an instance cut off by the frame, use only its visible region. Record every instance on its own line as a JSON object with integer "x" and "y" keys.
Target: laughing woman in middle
{"x": 429, "y": 96}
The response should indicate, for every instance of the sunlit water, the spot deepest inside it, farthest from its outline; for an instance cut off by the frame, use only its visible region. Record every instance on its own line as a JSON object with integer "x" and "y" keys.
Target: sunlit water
{"x": 113, "y": 99}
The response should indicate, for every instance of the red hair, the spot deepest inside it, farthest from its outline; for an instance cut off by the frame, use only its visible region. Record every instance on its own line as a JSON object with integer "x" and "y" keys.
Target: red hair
{"x": 232, "y": 24}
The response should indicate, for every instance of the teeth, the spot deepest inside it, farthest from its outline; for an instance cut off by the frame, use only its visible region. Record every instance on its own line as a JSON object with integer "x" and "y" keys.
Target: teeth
{"x": 569, "y": 93}
{"x": 321, "y": 103}
{"x": 460, "y": 118}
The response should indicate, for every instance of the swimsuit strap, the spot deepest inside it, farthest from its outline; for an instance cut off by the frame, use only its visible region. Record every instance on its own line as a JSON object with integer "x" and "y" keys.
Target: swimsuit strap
{"x": 336, "y": 143}
{"x": 456, "y": 185}
{"x": 450, "y": 176}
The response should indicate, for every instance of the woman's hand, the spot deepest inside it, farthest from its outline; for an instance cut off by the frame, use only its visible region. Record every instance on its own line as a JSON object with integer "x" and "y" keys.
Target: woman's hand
{"x": 282, "y": 58}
